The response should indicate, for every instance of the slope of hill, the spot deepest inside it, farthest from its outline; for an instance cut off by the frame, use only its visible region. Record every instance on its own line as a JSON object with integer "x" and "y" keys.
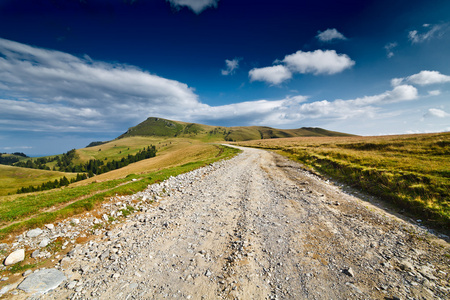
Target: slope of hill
{"x": 167, "y": 128}
{"x": 13, "y": 178}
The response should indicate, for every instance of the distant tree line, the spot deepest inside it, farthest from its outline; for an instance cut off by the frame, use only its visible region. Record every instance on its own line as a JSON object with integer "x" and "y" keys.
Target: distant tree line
{"x": 92, "y": 167}
{"x": 10, "y": 159}
{"x": 52, "y": 184}
{"x": 96, "y": 166}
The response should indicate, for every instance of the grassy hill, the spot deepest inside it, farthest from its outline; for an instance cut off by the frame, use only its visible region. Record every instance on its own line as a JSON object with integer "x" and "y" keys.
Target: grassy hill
{"x": 13, "y": 178}
{"x": 167, "y": 128}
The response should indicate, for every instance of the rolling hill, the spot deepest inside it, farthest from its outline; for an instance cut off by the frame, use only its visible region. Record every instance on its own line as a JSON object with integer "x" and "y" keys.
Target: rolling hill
{"x": 168, "y": 128}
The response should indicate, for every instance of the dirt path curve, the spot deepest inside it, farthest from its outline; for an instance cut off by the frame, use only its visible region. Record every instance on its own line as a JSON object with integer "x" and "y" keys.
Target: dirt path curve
{"x": 259, "y": 227}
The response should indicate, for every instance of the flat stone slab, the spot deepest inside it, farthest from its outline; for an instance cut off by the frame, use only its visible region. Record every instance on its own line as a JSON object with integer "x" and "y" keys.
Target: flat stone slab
{"x": 15, "y": 257}
{"x": 42, "y": 281}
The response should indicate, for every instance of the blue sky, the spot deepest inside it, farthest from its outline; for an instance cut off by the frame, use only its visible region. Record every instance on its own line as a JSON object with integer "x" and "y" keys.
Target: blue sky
{"x": 72, "y": 72}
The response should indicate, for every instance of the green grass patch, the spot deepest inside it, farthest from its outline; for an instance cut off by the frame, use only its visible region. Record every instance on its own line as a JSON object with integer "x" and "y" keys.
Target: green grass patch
{"x": 20, "y": 267}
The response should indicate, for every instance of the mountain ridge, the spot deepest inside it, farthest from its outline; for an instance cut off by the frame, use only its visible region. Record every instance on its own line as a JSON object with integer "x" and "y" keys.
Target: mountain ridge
{"x": 154, "y": 126}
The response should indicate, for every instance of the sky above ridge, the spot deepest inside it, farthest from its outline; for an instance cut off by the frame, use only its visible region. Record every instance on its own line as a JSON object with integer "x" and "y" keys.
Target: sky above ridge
{"x": 72, "y": 72}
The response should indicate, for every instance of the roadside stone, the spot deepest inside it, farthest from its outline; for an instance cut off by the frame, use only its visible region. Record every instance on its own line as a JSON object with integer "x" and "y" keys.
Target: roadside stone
{"x": 5, "y": 289}
{"x": 45, "y": 241}
{"x": 49, "y": 226}
{"x": 15, "y": 257}
{"x": 34, "y": 233}
{"x": 71, "y": 285}
{"x": 35, "y": 253}
{"x": 42, "y": 281}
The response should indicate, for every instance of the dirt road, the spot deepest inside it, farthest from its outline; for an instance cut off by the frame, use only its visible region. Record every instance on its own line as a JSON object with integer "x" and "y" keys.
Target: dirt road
{"x": 258, "y": 227}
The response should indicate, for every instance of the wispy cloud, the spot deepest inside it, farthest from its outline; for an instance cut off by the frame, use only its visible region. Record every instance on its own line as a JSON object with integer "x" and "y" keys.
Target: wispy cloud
{"x": 329, "y": 35}
{"x": 72, "y": 93}
{"x": 429, "y": 32}
{"x": 390, "y": 49}
{"x": 316, "y": 62}
{"x": 232, "y": 65}
{"x": 436, "y": 113}
{"x": 293, "y": 110}
{"x": 196, "y": 6}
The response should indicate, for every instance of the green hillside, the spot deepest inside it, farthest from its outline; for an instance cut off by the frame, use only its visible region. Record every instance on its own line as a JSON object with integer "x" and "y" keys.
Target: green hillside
{"x": 167, "y": 128}
{"x": 13, "y": 178}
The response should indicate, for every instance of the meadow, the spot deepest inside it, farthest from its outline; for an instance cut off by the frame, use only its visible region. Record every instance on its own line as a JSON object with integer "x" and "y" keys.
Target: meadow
{"x": 24, "y": 211}
{"x": 13, "y": 178}
{"x": 410, "y": 171}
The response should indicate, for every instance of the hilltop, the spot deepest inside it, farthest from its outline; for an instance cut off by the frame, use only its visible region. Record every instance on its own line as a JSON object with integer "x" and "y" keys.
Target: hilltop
{"x": 167, "y": 128}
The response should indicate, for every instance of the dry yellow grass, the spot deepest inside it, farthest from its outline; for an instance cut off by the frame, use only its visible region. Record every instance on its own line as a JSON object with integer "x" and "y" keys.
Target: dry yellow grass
{"x": 177, "y": 152}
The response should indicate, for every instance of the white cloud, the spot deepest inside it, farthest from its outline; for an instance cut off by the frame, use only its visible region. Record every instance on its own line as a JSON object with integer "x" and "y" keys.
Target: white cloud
{"x": 196, "y": 6}
{"x": 436, "y": 113}
{"x": 274, "y": 74}
{"x": 428, "y": 77}
{"x": 318, "y": 62}
{"x": 389, "y": 49}
{"x": 423, "y": 78}
{"x": 293, "y": 110}
{"x": 330, "y": 35}
{"x": 51, "y": 91}
{"x": 232, "y": 65}
{"x": 45, "y": 85}
{"x": 434, "y": 93}
{"x": 432, "y": 31}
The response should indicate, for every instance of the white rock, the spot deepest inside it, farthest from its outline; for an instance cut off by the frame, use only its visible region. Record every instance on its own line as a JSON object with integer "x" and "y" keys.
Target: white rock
{"x": 50, "y": 226}
{"x": 76, "y": 221}
{"x": 6, "y": 289}
{"x": 15, "y": 257}
{"x": 45, "y": 241}
{"x": 34, "y": 233}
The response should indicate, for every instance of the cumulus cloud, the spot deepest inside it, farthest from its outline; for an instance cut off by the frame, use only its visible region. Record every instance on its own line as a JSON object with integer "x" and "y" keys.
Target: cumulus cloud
{"x": 436, "y": 113}
{"x": 330, "y": 35}
{"x": 232, "y": 65}
{"x": 274, "y": 74}
{"x": 390, "y": 49}
{"x": 431, "y": 31}
{"x": 196, "y": 6}
{"x": 423, "y": 78}
{"x": 316, "y": 62}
